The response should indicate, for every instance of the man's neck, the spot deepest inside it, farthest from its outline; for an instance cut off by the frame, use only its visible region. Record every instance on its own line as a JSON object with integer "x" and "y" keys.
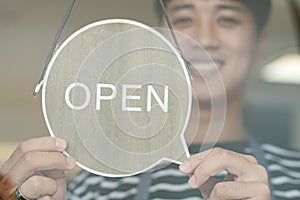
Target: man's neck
{"x": 198, "y": 132}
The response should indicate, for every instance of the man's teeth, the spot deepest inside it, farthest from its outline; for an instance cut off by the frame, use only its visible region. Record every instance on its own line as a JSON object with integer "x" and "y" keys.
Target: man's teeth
{"x": 206, "y": 66}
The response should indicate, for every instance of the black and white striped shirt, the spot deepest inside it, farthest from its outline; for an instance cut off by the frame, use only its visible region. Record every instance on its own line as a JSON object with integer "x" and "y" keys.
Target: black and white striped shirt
{"x": 170, "y": 183}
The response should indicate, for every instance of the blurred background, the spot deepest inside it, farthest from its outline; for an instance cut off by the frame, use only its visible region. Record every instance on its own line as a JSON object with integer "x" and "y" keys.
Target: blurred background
{"x": 27, "y": 29}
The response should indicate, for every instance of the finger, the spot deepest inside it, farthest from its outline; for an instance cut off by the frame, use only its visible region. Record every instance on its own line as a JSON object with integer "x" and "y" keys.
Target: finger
{"x": 192, "y": 162}
{"x": 189, "y": 165}
{"x": 237, "y": 165}
{"x": 34, "y": 161}
{"x": 241, "y": 172}
{"x": 59, "y": 177}
{"x": 37, "y": 144}
{"x": 38, "y": 186}
{"x": 252, "y": 172}
{"x": 240, "y": 190}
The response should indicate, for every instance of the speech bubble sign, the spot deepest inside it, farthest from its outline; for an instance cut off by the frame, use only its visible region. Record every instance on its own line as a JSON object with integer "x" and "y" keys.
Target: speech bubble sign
{"x": 120, "y": 94}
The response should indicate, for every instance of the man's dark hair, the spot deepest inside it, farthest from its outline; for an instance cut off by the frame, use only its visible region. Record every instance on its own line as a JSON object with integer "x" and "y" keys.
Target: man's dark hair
{"x": 260, "y": 9}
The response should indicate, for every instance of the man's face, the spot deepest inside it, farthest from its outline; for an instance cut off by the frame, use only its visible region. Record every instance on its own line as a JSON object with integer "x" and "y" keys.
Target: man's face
{"x": 227, "y": 31}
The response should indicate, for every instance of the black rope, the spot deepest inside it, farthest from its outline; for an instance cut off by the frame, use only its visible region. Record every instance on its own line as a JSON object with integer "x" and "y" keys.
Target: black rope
{"x": 187, "y": 63}
{"x": 54, "y": 44}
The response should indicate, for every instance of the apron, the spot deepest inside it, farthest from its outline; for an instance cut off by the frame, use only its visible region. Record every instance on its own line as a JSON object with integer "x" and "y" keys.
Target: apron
{"x": 145, "y": 178}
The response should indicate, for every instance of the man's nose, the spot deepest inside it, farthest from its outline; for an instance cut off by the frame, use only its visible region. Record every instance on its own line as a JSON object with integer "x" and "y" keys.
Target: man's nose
{"x": 206, "y": 35}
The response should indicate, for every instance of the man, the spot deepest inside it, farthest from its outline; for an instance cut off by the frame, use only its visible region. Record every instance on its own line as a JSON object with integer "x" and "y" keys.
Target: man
{"x": 233, "y": 33}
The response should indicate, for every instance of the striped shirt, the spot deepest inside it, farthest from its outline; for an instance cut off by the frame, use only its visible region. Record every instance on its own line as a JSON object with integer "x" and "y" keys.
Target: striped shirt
{"x": 170, "y": 183}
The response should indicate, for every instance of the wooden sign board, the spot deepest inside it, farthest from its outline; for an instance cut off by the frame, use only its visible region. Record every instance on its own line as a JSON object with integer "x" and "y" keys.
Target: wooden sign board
{"x": 119, "y": 93}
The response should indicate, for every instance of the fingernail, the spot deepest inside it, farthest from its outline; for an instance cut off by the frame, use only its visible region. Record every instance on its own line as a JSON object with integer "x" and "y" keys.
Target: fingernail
{"x": 60, "y": 144}
{"x": 185, "y": 166}
{"x": 70, "y": 162}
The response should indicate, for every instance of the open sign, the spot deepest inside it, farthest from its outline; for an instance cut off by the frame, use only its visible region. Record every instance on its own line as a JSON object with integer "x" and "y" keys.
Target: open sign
{"x": 120, "y": 94}
{"x": 151, "y": 92}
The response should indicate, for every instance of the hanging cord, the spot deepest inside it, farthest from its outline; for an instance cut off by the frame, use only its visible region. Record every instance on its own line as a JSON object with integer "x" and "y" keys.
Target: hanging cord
{"x": 187, "y": 63}
{"x": 58, "y": 34}
{"x": 54, "y": 44}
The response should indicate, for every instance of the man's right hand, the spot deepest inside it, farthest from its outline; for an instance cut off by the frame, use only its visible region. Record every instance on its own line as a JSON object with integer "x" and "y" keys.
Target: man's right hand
{"x": 36, "y": 167}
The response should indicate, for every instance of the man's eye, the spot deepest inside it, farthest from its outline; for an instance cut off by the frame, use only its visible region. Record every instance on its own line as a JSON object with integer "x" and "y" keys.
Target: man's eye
{"x": 228, "y": 21}
{"x": 182, "y": 21}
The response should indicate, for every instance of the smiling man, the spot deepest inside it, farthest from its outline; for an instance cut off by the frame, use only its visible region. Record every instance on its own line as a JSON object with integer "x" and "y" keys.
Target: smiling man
{"x": 234, "y": 40}
{"x": 232, "y": 32}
